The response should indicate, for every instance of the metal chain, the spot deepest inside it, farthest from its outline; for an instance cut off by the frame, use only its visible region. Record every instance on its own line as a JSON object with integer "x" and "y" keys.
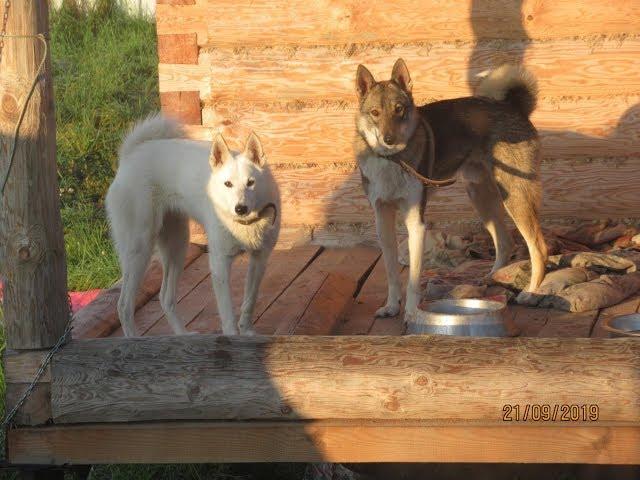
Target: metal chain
{"x": 3, "y": 32}
{"x": 34, "y": 84}
{"x": 43, "y": 367}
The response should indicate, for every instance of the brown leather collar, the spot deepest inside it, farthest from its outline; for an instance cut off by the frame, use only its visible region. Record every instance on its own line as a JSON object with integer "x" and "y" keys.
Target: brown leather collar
{"x": 397, "y": 159}
{"x": 260, "y": 217}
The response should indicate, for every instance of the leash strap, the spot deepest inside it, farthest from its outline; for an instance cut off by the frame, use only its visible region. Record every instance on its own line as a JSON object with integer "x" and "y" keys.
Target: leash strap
{"x": 432, "y": 155}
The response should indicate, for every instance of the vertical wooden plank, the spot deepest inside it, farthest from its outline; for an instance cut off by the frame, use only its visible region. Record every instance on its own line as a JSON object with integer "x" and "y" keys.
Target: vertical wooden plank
{"x": 32, "y": 255}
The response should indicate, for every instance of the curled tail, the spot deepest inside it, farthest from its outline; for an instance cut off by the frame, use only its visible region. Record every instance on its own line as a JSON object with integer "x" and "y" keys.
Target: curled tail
{"x": 153, "y": 127}
{"x": 512, "y": 84}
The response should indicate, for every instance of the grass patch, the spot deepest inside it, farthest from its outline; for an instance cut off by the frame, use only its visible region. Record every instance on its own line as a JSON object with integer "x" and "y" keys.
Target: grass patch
{"x": 91, "y": 259}
{"x": 105, "y": 78}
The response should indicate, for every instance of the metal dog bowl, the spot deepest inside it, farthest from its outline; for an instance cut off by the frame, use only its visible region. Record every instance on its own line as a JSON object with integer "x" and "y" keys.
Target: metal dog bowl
{"x": 466, "y": 317}
{"x": 623, "y": 325}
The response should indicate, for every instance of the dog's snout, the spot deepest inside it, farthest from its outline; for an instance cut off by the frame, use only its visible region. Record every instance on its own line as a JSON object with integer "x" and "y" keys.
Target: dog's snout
{"x": 389, "y": 139}
{"x": 241, "y": 209}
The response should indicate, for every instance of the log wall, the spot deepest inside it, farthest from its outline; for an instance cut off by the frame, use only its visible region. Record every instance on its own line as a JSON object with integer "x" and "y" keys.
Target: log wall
{"x": 286, "y": 70}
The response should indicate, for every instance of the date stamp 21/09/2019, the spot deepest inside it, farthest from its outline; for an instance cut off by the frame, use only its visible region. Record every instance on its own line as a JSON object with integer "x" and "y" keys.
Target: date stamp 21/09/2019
{"x": 550, "y": 413}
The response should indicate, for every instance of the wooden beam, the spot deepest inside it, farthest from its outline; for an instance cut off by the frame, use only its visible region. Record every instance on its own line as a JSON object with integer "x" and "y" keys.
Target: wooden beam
{"x": 570, "y": 127}
{"x": 330, "y": 441}
{"x": 379, "y": 378}
{"x": 286, "y": 22}
{"x": 32, "y": 255}
{"x": 20, "y": 368}
{"x": 182, "y": 105}
{"x": 322, "y": 74}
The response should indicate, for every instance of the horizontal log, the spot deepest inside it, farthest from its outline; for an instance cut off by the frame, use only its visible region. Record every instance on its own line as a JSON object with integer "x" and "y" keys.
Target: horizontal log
{"x": 439, "y": 70}
{"x": 360, "y": 441}
{"x": 299, "y": 22}
{"x": 182, "y": 105}
{"x": 424, "y": 378}
{"x": 580, "y": 127}
{"x": 581, "y": 190}
{"x": 178, "y": 48}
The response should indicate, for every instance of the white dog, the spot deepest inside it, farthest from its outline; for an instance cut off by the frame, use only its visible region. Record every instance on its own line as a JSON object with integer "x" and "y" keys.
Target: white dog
{"x": 162, "y": 180}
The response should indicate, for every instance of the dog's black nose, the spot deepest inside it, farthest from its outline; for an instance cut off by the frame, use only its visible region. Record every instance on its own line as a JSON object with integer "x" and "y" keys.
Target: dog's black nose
{"x": 389, "y": 139}
{"x": 241, "y": 209}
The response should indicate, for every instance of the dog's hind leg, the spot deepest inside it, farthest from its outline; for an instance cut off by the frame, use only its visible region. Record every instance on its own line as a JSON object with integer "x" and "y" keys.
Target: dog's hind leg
{"x": 173, "y": 241}
{"x": 386, "y": 229}
{"x": 487, "y": 202}
{"x": 522, "y": 199}
{"x": 135, "y": 254}
{"x": 257, "y": 266}
{"x": 415, "y": 228}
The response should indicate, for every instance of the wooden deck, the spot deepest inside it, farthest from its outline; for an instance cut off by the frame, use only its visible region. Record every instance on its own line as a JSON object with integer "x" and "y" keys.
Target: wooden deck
{"x": 309, "y": 290}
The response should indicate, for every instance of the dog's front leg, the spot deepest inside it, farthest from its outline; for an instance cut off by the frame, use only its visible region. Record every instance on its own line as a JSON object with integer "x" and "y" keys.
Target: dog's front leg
{"x": 415, "y": 228}
{"x": 257, "y": 266}
{"x": 386, "y": 229}
{"x": 221, "y": 278}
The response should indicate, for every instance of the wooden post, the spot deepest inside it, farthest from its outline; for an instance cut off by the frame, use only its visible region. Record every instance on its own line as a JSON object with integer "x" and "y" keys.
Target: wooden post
{"x": 32, "y": 257}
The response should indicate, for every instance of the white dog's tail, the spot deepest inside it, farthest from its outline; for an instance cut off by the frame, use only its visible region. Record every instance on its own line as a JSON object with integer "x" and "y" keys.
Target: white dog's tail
{"x": 512, "y": 84}
{"x": 154, "y": 127}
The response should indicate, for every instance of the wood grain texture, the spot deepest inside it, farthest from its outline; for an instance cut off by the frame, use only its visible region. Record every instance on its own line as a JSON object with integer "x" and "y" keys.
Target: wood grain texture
{"x": 529, "y": 321}
{"x": 328, "y": 306}
{"x": 204, "y": 442}
{"x": 100, "y": 317}
{"x": 571, "y": 189}
{"x": 20, "y": 368}
{"x": 179, "y": 48}
{"x": 568, "y": 324}
{"x": 313, "y": 135}
{"x": 298, "y": 377}
{"x": 285, "y": 313}
{"x": 32, "y": 254}
{"x": 631, "y": 305}
{"x": 36, "y": 410}
{"x": 439, "y": 70}
{"x": 243, "y": 23}
{"x": 182, "y": 105}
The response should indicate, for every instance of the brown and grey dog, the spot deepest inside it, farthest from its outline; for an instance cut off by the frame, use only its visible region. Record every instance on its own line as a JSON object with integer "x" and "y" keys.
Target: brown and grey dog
{"x": 486, "y": 141}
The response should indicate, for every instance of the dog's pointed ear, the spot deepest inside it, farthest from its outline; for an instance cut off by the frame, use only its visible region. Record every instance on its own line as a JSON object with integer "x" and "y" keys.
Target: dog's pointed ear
{"x": 400, "y": 75}
{"x": 253, "y": 150}
{"x": 220, "y": 152}
{"x": 364, "y": 80}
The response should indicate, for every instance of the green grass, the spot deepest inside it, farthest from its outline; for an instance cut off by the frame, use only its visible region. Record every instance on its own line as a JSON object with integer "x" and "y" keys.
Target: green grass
{"x": 105, "y": 78}
{"x": 91, "y": 259}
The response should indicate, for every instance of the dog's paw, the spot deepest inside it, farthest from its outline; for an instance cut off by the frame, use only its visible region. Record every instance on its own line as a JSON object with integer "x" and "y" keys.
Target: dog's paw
{"x": 230, "y": 331}
{"x": 389, "y": 310}
{"x": 250, "y": 332}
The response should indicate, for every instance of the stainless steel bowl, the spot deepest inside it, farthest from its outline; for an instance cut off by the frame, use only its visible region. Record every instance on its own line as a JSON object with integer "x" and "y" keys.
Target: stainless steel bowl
{"x": 623, "y": 325}
{"x": 466, "y": 317}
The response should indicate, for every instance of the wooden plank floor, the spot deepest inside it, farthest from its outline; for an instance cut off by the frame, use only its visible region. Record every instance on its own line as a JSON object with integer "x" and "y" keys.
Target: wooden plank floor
{"x": 312, "y": 290}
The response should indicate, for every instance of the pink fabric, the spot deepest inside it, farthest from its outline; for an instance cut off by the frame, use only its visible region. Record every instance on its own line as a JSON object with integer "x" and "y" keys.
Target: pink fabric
{"x": 78, "y": 299}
